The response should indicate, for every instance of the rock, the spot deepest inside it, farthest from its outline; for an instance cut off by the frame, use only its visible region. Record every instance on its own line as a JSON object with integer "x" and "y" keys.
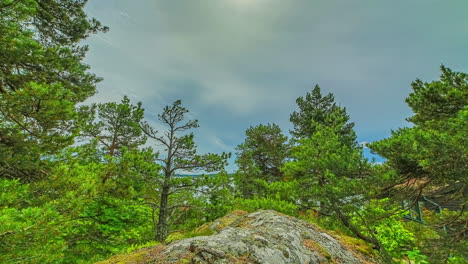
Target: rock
{"x": 260, "y": 237}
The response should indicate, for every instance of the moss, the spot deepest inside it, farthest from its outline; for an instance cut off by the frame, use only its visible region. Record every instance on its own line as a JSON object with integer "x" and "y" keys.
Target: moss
{"x": 134, "y": 257}
{"x": 238, "y": 213}
{"x": 227, "y": 220}
{"x": 359, "y": 247}
{"x": 245, "y": 223}
{"x": 203, "y": 230}
{"x": 353, "y": 244}
{"x": 175, "y": 236}
{"x": 186, "y": 259}
{"x": 314, "y": 246}
{"x": 208, "y": 229}
{"x": 146, "y": 255}
{"x": 240, "y": 260}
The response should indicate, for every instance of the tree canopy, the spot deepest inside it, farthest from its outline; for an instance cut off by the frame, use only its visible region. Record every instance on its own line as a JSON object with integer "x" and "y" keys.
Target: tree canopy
{"x": 315, "y": 109}
{"x": 42, "y": 78}
{"x": 434, "y": 151}
{"x": 80, "y": 182}
{"x": 261, "y": 156}
{"x": 180, "y": 155}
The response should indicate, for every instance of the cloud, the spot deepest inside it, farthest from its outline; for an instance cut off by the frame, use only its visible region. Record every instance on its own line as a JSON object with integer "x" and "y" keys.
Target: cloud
{"x": 237, "y": 63}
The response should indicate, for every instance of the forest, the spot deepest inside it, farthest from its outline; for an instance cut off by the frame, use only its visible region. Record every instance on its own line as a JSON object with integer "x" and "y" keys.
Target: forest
{"x": 81, "y": 182}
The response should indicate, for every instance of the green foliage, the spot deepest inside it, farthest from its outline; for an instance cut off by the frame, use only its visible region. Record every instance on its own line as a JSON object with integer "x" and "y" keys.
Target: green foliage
{"x": 115, "y": 221}
{"x": 438, "y": 100}
{"x": 435, "y": 146}
{"x": 383, "y": 221}
{"x": 317, "y": 109}
{"x": 220, "y": 198}
{"x": 29, "y": 234}
{"x": 284, "y": 190}
{"x": 116, "y": 129}
{"x": 440, "y": 240}
{"x": 71, "y": 217}
{"x": 456, "y": 260}
{"x": 117, "y": 125}
{"x": 331, "y": 223}
{"x": 330, "y": 170}
{"x": 104, "y": 219}
{"x": 261, "y": 156}
{"x": 392, "y": 235}
{"x": 434, "y": 151}
{"x": 188, "y": 234}
{"x": 42, "y": 78}
{"x": 134, "y": 247}
{"x": 255, "y": 204}
{"x": 79, "y": 204}
{"x": 415, "y": 256}
{"x": 330, "y": 174}
{"x": 247, "y": 176}
{"x": 180, "y": 154}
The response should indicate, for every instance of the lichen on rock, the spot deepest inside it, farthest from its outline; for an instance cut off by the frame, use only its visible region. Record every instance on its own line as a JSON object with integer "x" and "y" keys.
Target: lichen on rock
{"x": 259, "y": 237}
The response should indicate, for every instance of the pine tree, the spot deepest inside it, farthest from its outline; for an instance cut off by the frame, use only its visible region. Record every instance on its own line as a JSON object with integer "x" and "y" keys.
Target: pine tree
{"x": 333, "y": 178}
{"x": 42, "y": 78}
{"x": 434, "y": 151}
{"x": 117, "y": 125}
{"x": 261, "y": 157}
{"x": 315, "y": 109}
{"x": 180, "y": 154}
{"x": 115, "y": 128}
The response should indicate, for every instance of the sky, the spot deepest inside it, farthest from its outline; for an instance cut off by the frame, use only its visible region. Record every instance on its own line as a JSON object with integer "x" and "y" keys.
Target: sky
{"x": 241, "y": 63}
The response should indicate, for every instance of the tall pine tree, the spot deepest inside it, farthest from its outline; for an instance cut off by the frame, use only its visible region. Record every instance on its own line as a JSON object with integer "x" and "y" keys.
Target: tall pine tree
{"x": 434, "y": 152}
{"x": 179, "y": 155}
{"x": 42, "y": 78}
{"x": 261, "y": 157}
{"x": 316, "y": 108}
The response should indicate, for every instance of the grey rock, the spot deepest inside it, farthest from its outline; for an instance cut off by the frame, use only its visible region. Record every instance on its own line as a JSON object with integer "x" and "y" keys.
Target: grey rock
{"x": 260, "y": 237}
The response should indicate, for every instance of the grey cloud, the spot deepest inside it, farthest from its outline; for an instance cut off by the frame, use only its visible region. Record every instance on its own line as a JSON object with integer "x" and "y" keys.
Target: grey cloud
{"x": 237, "y": 63}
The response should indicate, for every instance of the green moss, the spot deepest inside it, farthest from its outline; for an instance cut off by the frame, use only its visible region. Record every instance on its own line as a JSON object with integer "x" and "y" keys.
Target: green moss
{"x": 203, "y": 230}
{"x": 146, "y": 255}
{"x": 335, "y": 230}
{"x": 175, "y": 236}
{"x": 134, "y": 257}
{"x": 363, "y": 251}
{"x": 208, "y": 229}
{"x": 239, "y": 260}
{"x": 357, "y": 245}
{"x": 186, "y": 259}
{"x": 228, "y": 219}
{"x": 314, "y": 246}
{"x": 245, "y": 223}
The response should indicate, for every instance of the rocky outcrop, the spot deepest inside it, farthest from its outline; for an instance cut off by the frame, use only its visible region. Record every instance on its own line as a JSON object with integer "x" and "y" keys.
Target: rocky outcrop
{"x": 260, "y": 237}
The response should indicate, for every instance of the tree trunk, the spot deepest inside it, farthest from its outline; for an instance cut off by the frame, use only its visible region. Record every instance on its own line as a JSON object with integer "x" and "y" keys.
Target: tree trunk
{"x": 345, "y": 221}
{"x": 111, "y": 153}
{"x": 162, "y": 228}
